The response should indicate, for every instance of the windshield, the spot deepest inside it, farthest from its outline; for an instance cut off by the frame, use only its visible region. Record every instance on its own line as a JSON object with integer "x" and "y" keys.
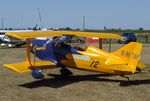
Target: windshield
{"x": 77, "y": 42}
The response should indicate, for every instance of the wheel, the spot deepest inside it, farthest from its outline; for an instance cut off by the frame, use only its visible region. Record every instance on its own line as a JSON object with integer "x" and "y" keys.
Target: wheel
{"x": 65, "y": 72}
{"x": 37, "y": 74}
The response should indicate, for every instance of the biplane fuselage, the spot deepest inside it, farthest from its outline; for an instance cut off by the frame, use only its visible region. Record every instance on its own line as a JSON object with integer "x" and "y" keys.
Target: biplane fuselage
{"x": 92, "y": 59}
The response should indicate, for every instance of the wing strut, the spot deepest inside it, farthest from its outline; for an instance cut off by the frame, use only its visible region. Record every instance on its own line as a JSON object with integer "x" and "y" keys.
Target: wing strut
{"x": 28, "y": 51}
{"x": 110, "y": 45}
{"x": 100, "y": 43}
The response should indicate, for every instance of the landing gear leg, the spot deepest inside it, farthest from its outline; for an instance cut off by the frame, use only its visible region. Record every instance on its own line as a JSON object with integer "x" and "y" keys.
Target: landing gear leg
{"x": 65, "y": 72}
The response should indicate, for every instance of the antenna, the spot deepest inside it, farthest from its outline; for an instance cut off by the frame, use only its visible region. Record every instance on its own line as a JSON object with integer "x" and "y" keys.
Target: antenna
{"x": 2, "y": 23}
{"x": 40, "y": 17}
{"x": 83, "y": 22}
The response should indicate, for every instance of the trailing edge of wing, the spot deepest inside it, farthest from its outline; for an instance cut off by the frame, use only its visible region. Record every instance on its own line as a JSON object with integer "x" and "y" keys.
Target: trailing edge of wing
{"x": 35, "y": 34}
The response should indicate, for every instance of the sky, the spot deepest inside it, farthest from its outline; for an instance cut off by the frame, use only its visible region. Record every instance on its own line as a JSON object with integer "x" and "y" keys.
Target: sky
{"x": 125, "y": 14}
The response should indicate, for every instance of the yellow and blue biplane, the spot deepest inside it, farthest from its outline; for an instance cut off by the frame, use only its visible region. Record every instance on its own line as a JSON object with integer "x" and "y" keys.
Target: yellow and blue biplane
{"x": 57, "y": 52}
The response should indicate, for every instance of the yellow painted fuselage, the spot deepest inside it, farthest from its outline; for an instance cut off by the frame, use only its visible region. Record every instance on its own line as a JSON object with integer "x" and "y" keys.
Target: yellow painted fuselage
{"x": 123, "y": 61}
{"x": 94, "y": 59}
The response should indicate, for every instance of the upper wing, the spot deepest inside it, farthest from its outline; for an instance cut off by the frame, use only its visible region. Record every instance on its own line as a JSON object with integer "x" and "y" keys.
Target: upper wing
{"x": 35, "y": 34}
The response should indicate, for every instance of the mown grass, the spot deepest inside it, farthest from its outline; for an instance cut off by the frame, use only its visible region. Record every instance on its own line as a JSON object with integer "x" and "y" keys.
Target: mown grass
{"x": 148, "y": 66}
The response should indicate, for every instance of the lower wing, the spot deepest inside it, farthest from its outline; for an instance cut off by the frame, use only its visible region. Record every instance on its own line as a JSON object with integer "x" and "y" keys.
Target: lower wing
{"x": 25, "y": 67}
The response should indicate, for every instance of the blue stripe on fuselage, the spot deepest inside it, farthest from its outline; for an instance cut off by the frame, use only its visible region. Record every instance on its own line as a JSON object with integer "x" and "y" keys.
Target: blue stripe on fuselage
{"x": 50, "y": 52}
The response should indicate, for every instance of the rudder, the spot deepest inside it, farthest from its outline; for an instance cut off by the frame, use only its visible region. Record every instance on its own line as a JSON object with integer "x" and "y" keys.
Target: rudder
{"x": 131, "y": 54}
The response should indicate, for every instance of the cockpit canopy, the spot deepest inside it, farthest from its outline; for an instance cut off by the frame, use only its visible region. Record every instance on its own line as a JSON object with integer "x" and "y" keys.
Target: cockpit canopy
{"x": 73, "y": 41}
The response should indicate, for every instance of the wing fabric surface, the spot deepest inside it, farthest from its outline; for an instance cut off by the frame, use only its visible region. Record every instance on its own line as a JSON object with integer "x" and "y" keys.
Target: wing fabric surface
{"x": 25, "y": 67}
{"x": 35, "y": 34}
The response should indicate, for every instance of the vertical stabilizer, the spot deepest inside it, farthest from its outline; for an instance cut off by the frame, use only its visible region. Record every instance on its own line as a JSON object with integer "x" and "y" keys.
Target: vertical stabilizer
{"x": 131, "y": 54}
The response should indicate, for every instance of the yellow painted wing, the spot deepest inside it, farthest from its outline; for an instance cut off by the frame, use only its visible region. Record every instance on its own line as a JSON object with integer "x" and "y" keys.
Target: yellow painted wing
{"x": 35, "y": 34}
{"x": 25, "y": 67}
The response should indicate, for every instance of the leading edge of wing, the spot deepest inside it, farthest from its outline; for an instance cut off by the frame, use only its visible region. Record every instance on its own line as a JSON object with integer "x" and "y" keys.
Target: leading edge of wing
{"x": 35, "y": 34}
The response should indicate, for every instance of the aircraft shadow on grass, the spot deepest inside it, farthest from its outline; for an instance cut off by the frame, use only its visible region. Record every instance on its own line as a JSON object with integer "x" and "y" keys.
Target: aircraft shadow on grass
{"x": 59, "y": 81}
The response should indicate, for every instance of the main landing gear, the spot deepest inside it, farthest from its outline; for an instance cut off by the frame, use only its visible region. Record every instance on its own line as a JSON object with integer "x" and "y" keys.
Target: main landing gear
{"x": 65, "y": 72}
{"x": 37, "y": 74}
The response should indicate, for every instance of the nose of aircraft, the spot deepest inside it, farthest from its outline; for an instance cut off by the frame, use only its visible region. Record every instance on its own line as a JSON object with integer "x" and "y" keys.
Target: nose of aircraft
{"x": 36, "y": 43}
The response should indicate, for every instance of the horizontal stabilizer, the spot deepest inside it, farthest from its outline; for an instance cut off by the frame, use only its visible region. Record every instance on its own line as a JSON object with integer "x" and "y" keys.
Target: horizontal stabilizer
{"x": 141, "y": 65}
{"x": 25, "y": 67}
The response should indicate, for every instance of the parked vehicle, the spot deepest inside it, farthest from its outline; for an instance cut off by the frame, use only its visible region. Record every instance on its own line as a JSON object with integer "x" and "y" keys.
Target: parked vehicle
{"x": 128, "y": 37}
